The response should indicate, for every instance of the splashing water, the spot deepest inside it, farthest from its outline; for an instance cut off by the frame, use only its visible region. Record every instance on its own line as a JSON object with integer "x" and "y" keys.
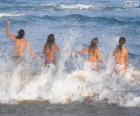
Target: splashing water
{"x": 56, "y": 84}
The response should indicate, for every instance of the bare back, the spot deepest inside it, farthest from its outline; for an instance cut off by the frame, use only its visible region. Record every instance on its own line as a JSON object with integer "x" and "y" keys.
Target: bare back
{"x": 93, "y": 57}
{"x": 20, "y": 46}
{"x": 121, "y": 57}
{"x": 50, "y": 53}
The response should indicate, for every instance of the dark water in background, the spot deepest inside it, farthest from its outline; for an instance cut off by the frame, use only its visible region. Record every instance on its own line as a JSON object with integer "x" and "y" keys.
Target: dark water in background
{"x": 74, "y": 23}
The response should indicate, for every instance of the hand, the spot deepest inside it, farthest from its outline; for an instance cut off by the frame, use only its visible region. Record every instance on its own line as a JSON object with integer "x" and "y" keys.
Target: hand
{"x": 36, "y": 57}
{"x": 101, "y": 62}
{"x": 76, "y": 54}
{"x": 126, "y": 68}
{"x": 8, "y": 22}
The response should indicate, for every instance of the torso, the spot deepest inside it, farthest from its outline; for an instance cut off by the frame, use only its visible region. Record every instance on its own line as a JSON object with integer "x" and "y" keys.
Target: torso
{"x": 50, "y": 55}
{"x": 120, "y": 57}
{"x": 19, "y": 47}
{"x": 92, "y": 57}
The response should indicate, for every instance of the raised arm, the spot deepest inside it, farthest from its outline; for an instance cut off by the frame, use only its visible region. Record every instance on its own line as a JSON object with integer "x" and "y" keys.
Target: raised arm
{"x": 9, "y": 34}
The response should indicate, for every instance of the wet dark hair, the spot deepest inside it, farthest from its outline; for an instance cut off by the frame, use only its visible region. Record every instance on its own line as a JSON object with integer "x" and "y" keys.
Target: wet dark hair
{"x": 50, "y": 41}
{"x": 93, "y": 45}
{"x": 122, "y": 41}
{"x": 21, "y": 34}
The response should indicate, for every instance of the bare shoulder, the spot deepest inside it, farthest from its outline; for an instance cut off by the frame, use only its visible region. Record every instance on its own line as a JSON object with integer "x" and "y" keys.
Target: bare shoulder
{"x": 14, "y": 38}
{"x": 25, "y": 40}
{"x": 97, "y": 50}
{"x": 55, "y": 46}
{"x": 86, "y": 49}
{"x": 126, "y": 50}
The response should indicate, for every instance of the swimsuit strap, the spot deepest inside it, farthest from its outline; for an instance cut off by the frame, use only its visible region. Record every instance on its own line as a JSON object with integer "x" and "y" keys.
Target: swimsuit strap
{"x": 51, "y": 60}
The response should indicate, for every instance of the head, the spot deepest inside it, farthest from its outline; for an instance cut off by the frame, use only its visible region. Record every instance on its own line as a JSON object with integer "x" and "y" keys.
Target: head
{"x": 21, "y": 34}
{"x": 50, "y": 41}
{"x": 122, "y": 41}
{"x": 93, "y": 44}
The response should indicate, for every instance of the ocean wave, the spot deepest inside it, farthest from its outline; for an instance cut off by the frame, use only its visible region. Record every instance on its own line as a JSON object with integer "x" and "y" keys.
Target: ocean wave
{"x": 79, "y": 18}
{"x": 111, "y": 20}
{"x": 31, "y": 82}
{"x": 79, "y": 6}
{"x": 25, "y": 83}
{"x": 56, "y": 6}
{"x": 72, "y": 6}
{"x": 83, "y": 18}
{"x": 10, "y": 15}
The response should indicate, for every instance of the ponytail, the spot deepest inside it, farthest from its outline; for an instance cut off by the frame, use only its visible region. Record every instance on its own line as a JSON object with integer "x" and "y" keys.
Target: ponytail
{"x": 122, "y": 41}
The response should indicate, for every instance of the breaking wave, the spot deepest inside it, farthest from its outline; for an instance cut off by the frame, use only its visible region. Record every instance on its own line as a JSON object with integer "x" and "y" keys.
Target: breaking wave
{"x": 84, "y": 18}
{"x": 10, "y": 15}
{"x": 71, "y": 6}
{"x": 57, "y": 85}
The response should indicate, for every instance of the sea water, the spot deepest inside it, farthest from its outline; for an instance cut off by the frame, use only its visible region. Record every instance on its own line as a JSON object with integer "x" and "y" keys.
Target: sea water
{"x": 74, "y": 23}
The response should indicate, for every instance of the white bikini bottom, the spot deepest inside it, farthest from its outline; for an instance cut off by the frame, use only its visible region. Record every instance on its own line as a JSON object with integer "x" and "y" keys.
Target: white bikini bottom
{"x": 119, "y": 68}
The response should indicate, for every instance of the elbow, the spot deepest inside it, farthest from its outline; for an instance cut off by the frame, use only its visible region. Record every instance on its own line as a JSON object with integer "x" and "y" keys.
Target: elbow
{"x": 7, "y": 34}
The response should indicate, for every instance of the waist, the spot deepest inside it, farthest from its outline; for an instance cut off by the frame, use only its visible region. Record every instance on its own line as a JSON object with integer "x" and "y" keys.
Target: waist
{"x": 19, "y": 59}
{"x": 120, "y": 62}
{"x": 92, "y": 60}
{"x": 50, "y": 61}
{"x": 18, "y": 56}
{"x": 119, "y": 67}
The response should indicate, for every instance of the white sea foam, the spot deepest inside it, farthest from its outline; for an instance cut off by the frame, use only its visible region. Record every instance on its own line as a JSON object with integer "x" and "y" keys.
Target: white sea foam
{"x": 135, "y": 101}
{"x": 77, "y": 6}
{"x": 72, "y": 6}
{"x": 10, "y": 15}
{"x": 25, "y": 82}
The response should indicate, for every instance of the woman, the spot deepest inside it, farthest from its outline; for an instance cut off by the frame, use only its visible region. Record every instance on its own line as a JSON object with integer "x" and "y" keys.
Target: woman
{"x": 20, "y": 44}
{"x": 50, "y": 50}
{"x": 121, "y": 56}
{"x": 94, "y": 54}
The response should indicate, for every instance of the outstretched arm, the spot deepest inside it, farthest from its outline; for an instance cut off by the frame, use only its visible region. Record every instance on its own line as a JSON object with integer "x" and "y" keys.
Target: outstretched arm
{"x": 31, "y": 51}
{"x": 44, "y": 49}
{"x": 84, "y": 51}
{"x": 9, "y": 34}
{"x": 99, "y": 57}
{"x": 126, "y": 59}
